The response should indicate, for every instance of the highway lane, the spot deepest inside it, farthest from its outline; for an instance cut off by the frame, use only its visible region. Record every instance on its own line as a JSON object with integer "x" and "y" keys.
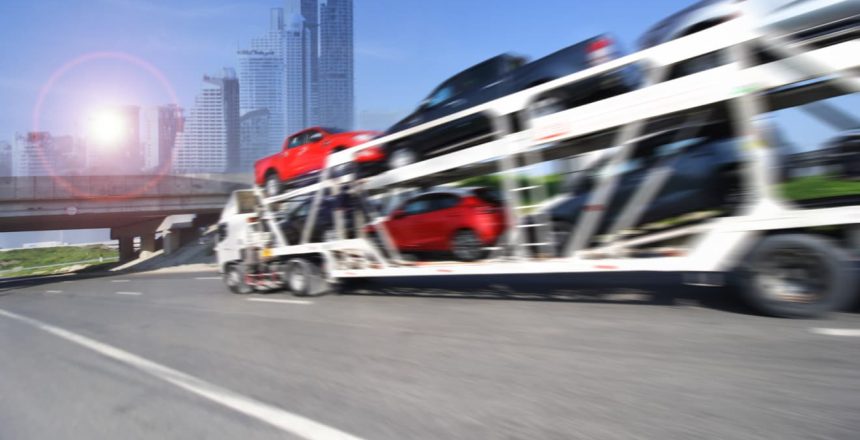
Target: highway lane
{"x": 407, "y": 367}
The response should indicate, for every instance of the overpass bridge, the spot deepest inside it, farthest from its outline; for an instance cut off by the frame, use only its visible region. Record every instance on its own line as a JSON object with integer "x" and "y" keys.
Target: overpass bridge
{"x": 130, "y": 206}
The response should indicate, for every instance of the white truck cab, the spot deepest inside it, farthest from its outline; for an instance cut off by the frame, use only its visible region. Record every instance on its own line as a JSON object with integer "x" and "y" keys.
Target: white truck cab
{"x": 236, "y": 226}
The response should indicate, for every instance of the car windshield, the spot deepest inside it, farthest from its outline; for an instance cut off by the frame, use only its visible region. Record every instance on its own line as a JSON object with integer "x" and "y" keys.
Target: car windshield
{"x": 332, "y": 130}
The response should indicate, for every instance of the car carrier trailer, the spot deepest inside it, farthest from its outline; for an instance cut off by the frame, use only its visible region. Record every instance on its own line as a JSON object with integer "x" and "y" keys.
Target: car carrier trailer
{"x": 787, "y": 260}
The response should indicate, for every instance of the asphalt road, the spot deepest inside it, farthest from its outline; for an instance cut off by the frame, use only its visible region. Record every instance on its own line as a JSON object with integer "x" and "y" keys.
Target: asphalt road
{"x": 175, "y": 356}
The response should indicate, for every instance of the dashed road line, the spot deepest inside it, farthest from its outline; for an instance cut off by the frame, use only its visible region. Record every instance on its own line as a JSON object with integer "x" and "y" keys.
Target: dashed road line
{"x": 120, "y": 281}
{"x": 129, "y": 293}
{"x": 281, "y": 301}
{"x": 850, "y": 332}
{"x": 279, "y": 418}
{"x": 53, "y": 292}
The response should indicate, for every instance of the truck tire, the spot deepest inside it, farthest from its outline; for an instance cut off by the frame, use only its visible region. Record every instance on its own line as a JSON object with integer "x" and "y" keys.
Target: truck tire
{"x": 234, "y": 278}
{"x": 797, "y": 276}
{"x": 304, "y": 278}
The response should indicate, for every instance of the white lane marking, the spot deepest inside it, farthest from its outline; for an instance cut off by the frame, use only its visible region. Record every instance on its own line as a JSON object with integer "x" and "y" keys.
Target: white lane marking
{"x": 53, "y": 292}
{"x": 208, "y": 278}
{"x": 281, "y": 301}
{"x": 129, "y": 293}
{"x": 277, "y": 417}
{"x": 120, "y": 281}
{"x": 836, "y": 331}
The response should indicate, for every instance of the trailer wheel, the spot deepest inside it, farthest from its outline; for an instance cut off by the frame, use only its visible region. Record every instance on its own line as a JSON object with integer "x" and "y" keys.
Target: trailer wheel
{"x": 797, "y": 276}
{"x": 234, "y": 278}
{"x": 304, "y": 278}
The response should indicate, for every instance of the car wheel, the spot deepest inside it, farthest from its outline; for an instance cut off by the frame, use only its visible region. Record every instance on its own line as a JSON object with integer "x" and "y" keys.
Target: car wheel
{"x": 797, "y": 276}
{"x": 547, "y": 105}
{"x": 730, "y": 192}
{"x": 560, "y": 236}
{"x": 273, "y": 185}
{"x": 234, "y": 278}
{"x": 401, "y": 158}
{"x": 466, "y": 246}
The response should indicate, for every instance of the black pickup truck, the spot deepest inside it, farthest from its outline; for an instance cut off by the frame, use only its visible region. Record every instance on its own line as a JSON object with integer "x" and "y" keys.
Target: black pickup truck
{"x": 498, "y": 77}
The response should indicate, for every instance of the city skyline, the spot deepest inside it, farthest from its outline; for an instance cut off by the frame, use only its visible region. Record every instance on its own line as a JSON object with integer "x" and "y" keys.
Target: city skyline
{"x": 278, "y": 90}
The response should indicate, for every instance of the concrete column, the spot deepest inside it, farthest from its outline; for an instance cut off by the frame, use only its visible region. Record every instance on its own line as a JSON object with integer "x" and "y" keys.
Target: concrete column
{"x": 172, "y": 241}
{"x": 126, "y": 249}
{"x": 148, "y": 245}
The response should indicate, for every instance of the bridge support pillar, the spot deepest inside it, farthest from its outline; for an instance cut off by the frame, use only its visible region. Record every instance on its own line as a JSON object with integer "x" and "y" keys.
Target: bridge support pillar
{"x": 172, "y": 241}
{"x": 126, "y": 249}
{"x": 148, "y": 244}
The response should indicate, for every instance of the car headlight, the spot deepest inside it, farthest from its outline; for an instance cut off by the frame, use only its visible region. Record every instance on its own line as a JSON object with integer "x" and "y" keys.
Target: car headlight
{"x": 363, "y": 137}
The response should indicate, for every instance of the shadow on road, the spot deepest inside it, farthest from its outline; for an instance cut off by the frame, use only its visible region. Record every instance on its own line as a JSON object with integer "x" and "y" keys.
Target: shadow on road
{"x": 627, "y": 288}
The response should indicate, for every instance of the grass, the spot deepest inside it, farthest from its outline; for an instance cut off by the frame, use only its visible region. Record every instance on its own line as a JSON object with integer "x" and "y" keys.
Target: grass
{"x": 819, "y": 187}
{"x": 22, "y": 262}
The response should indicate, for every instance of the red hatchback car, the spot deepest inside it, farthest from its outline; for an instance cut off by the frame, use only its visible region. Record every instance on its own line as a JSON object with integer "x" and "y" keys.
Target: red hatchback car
{"x": 459, "y": 221}
{"x": 303, "y": 155}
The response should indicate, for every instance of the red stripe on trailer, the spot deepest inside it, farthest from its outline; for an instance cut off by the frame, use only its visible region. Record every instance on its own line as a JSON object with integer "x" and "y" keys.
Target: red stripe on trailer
{"x": 595, "y": 207}
{"x": 551, "y": 136}
{"x": 605, "y": 266}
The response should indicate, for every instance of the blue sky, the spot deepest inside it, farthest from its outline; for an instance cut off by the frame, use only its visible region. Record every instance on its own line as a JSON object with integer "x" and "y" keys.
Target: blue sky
{"x": 403, "y": 47}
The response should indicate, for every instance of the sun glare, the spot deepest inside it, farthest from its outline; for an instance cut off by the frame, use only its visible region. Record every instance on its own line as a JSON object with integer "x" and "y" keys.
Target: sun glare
{"x": 107, "y": 127}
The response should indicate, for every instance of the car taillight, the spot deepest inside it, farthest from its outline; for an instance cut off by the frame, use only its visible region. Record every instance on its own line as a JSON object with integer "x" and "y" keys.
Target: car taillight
{"x": 599, "y": 51}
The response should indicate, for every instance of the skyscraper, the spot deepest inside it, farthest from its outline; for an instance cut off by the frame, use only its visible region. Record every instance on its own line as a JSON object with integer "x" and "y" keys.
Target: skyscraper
{"x": 5, "y": 159}
{"x": 297, "y": 73}
{"x": 32, "y": 154}
{"x": 311, "y": 14}
{"x": 254, "y": 137}
{"x": 261, "y": 82}
{"x": 301, "y": 70}
{"x": 336, "y": 67}
{"x": 159, "y": 128}
{"x": 210, "y": 140}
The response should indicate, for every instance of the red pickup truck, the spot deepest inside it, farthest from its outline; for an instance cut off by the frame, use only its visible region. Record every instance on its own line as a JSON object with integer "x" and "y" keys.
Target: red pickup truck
{"x": 303, "y": 156}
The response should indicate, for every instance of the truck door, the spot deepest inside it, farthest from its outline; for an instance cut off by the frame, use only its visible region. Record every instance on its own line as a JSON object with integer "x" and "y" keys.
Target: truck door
{"x": 290, "y": 155}
{"x": 312, "y": 154}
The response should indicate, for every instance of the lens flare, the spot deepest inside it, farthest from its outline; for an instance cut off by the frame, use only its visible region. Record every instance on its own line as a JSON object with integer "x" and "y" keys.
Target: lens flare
{"x": 48, "y": 87}
{"x": 107, "y": 128}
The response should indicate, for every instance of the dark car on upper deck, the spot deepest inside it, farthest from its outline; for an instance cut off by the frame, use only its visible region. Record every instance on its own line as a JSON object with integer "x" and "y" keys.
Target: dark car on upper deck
{"x": 495, "y": 78}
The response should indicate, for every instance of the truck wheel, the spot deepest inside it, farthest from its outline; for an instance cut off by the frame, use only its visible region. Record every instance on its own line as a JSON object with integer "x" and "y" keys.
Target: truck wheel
{"x": 234, "y": 278}
{"x": 273, "y": 185}
{"x": 305, "y": 278}
{"x": 797, "y": 276}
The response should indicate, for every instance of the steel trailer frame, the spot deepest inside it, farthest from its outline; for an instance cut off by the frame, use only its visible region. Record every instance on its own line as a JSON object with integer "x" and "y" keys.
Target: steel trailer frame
{"x": 716, "y": 245}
